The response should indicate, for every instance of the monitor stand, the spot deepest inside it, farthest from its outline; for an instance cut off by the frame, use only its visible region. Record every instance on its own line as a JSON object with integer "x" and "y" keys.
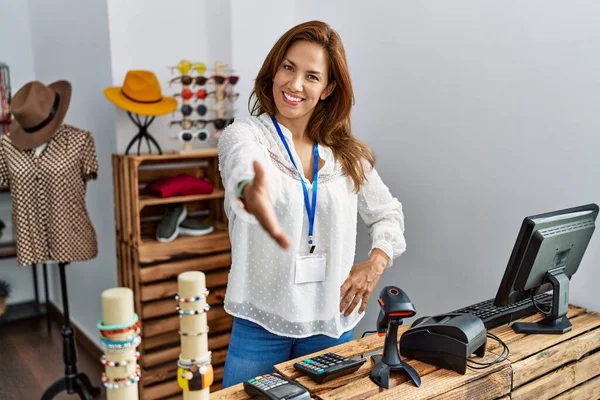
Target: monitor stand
{"x": 557, "y": 322}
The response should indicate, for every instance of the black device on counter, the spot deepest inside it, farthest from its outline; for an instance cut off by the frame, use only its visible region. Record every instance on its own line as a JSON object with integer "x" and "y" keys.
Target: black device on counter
{"x": 546, "y": 254}
{"x": 275, "y": 387}
{"x": 445, "y": 340}
{"x": 395, "y": 305}
{"x": 328, "y": 366}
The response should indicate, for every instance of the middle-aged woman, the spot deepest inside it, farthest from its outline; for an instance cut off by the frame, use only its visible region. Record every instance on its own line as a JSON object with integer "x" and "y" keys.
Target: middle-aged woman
{"x": 295, "y": 180}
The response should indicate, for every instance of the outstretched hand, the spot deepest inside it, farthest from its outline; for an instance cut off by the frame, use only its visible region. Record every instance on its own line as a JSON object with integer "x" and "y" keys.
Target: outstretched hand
{"x": 258, "y": 203}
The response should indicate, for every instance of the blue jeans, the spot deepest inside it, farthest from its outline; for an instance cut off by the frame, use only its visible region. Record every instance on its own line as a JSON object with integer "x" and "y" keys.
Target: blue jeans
{"x": 255, "y": 351}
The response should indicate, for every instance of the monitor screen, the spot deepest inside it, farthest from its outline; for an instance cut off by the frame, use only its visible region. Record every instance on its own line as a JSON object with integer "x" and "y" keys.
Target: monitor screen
{"x": 546, "y": 242}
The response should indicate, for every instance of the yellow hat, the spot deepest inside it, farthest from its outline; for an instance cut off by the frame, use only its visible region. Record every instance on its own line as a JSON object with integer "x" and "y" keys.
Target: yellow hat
{"x": 141, "y": 94}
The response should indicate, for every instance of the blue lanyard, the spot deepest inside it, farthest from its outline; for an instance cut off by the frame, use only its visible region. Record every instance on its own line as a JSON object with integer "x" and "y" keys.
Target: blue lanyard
{"x": 310, "y": 211}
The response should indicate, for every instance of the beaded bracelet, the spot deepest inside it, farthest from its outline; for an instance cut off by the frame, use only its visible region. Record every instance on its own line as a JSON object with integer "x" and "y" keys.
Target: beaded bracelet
{"x": 192, "y": 312}
{"x": 102, "y": 327}
{"x": 111, "y": 386}
{"x": 186, "y": 364}
{"x": 106, "y": 379}
{"x": 109, "y": 342}
{"x": 194, "y": 334}
{"x": 192, "y": 299}
{"x": 123, "y": 363}
{"x": 117, "y": 347}
{"x": 110, "y": 332}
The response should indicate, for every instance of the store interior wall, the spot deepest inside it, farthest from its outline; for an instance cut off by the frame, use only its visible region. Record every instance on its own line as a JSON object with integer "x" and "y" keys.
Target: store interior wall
{"x": 479, "y": 113}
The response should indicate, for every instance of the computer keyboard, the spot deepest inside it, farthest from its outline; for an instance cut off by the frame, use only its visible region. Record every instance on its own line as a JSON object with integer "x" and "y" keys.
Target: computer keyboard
{"x": 493, "y": 316}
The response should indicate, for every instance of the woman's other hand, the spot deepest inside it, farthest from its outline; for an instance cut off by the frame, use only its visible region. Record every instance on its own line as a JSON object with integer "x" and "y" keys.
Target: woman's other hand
{"x": 258, "y": 203}
{"x": 361, "y": 282}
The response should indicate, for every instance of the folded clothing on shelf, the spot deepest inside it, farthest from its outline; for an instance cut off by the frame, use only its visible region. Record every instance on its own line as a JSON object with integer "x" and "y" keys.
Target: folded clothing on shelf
{"x": 180, "y": 185}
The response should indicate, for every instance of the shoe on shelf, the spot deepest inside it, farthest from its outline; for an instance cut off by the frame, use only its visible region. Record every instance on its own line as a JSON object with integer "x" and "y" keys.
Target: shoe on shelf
{"x": 192, "y": 227}
{"x": 168, "y": 229}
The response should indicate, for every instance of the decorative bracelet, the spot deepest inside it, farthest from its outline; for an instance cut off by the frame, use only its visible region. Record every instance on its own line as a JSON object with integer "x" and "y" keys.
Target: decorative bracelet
{"x": 106, "y": 379}
{"x": 192, "y": 381}
{"x": 102, "y": 327}
{"x": 241, "y": 186}
{"x": 117, "y": 347}
{"x": 123, "y": 363}
{"x": 106, "y": 332}
{"x": 194, "y": 334}
{"x": 133, "y": 333}
{"x": 192, "y": 312}
{"x": 187, "y": 364}
{"x": 111, "y": 386}
{"x": 191, "y": 299}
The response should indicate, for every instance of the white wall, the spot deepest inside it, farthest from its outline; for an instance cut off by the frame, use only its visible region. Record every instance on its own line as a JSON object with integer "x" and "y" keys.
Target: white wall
{"x": 16, "y": 52}
{"x": 71, "y": 41}
{"x": 480, "y": 114}
{"x": 155, "y": 34}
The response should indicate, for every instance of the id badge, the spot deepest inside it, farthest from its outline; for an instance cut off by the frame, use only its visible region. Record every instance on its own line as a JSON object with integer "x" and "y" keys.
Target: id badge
{"x": 311, "y": 268}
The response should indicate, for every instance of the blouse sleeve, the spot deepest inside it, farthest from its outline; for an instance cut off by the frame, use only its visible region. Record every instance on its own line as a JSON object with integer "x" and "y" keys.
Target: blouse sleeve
{"x": 383, "y": 215}
{"x": 89, "y": 160}
{"x": 4, "y": 175}
{"x": 238, "y": 148}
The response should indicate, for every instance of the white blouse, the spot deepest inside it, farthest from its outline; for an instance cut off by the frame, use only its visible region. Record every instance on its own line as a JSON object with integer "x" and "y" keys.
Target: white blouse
{"x": 261, "y": 285}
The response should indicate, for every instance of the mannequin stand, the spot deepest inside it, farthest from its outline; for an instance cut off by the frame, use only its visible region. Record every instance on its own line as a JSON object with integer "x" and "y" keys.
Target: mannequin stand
{"x": 73, "y": 382}
{"x": 142, "y": 134}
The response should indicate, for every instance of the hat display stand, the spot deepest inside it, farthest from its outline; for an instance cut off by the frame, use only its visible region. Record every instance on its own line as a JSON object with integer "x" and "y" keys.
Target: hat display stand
{"x": 142, "y": 133}
{"x": 73, "y": 382}
{"x": 220, "y": 108}
{"x": 194, "y": 368}
{"x": 120, "y": 335}
{"x": 140, "y": 95}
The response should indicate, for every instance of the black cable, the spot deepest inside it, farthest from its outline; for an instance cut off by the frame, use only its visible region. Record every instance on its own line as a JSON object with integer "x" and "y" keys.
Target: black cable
{"x": 548, "y": 310}
{"x": 365, "y": 332}
{"x": 503, "y": 356}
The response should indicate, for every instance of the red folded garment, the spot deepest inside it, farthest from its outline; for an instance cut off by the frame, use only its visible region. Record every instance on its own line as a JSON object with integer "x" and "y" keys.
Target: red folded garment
{"x": 180, "y": 185}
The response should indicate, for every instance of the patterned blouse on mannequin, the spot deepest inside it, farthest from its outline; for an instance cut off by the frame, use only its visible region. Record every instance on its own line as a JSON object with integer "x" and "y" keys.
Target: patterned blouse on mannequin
{"x": 48, "y": 197}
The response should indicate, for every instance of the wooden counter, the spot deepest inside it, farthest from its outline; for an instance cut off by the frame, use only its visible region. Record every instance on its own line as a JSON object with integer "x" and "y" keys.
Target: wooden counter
{"x": 539, "y": 367}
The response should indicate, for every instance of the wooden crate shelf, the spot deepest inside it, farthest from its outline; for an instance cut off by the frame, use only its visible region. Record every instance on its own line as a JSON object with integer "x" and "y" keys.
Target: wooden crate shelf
{"x": 146, "y": 200}
{"x": 150, "y": 268}
{"x": 151, "y": 250}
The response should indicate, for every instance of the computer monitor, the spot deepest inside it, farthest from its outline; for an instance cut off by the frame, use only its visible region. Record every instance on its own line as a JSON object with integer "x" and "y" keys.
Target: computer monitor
{"x": 546, "y": 254}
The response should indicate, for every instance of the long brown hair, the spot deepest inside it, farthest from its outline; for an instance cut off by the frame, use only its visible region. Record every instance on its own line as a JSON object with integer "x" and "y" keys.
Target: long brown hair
{"x": 329, "y": 123}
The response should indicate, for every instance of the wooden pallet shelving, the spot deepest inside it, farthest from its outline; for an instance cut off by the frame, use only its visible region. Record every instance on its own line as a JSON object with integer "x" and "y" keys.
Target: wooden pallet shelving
{"x": 150, "y": 268}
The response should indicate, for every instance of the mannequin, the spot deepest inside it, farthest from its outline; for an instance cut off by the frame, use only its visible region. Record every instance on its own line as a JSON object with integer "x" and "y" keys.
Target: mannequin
{"x": 46, "y": 165}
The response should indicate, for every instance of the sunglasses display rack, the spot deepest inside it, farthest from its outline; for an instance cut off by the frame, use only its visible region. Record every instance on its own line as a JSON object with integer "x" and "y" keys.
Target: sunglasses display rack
{"x": 202, "y": 95}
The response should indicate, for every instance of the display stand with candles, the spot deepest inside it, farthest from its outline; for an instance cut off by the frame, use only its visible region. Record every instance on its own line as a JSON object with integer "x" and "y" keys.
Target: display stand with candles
{"x": 120, "y": 335}
{"x": 194, "y": 368}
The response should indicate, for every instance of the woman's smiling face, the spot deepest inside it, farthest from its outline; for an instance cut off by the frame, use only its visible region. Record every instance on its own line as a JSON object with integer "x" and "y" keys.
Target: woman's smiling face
{"x": 301, "y": 80}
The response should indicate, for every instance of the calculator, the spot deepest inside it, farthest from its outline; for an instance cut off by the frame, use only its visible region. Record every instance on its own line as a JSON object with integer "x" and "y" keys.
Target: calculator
{"x": 328, "y": 366}
{"x": 275, "y": 387}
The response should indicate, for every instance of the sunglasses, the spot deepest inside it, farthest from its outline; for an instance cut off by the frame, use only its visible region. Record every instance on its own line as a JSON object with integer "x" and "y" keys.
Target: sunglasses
{"x": 219, "y": 123}
{"x": 202, "y": 94}
{"x": 184, "y": 67}
{"x": 201, "y": 109}
{"x": 201, "y": 80}
{"x": 187, "y": 136}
